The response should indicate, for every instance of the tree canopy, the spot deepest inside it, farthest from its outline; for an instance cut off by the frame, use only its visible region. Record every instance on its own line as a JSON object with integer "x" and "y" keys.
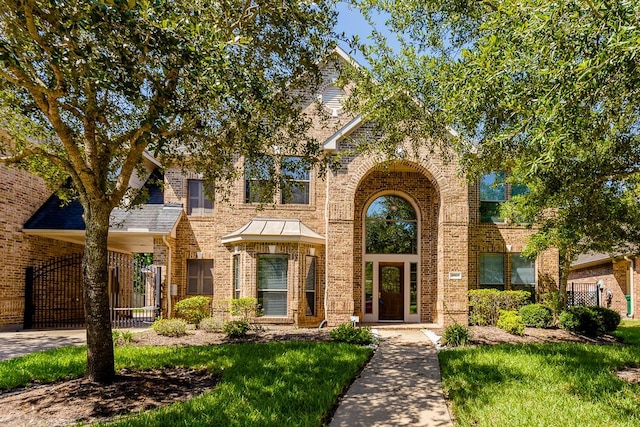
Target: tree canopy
{"x": 87, "y": 86}
{"x": 548, "y": 92}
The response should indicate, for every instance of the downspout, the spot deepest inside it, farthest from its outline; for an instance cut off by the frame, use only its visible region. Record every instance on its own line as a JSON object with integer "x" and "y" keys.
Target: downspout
{"x": 164, "y": 239}
{"x": 326, "y": 246}
{"x": 631, "y": 284}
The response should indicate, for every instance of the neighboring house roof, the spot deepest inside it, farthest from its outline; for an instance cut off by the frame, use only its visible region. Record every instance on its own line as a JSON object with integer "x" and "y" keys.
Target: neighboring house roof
{"x": 274, "y": 230}
{"x": 590, "y": 259}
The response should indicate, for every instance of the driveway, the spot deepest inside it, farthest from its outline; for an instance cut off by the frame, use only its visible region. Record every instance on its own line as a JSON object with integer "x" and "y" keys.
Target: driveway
{"x": 14, "y": 344}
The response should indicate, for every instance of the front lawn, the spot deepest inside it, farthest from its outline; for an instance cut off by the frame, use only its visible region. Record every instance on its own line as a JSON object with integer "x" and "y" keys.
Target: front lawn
{"x": 279, "y": 383}
{"x": 560, "y": 384}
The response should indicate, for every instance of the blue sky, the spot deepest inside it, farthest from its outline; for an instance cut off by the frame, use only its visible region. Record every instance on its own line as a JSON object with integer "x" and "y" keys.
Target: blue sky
{"x": 351, "y": 22}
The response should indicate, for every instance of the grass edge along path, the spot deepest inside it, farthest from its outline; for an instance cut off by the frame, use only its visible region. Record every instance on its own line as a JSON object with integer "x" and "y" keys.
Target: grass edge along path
{"x": 567, "y": 384}
{"x": 266, "y": 384}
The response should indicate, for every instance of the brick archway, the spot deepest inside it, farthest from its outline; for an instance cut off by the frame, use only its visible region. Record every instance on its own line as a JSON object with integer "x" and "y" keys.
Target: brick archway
{"x": 410, "y": 182}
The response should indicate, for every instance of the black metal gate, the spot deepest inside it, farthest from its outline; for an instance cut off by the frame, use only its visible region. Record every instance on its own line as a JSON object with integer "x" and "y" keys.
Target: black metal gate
{"x": 583, "y": 294}
{"x": 54, "y": 297}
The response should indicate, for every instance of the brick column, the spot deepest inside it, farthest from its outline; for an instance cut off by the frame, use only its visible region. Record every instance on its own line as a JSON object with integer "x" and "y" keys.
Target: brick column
{"x": 340, "y": 272}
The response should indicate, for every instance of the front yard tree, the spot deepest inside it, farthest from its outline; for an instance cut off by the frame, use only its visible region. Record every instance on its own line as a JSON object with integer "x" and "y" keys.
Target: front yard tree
{"x": 86, "y": 86}
{"x": 548, "y": 92}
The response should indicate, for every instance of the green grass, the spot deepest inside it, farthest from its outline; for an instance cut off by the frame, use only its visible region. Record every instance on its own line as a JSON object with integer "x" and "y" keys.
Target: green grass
{"x": 564, "y": 384}
{"x": 629, "y": 332}
{"x": 271, "y": 384}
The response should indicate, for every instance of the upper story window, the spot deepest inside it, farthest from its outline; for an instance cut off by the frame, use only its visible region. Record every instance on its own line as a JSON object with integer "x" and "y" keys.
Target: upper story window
{"x": 198, "y": 202}
{"x": 296, "y": 177}
{"x": 494, "y": 190}
{"x": 295, "y": 180}
{"x": 257, "y": 175}
{"x": 391, "y": 226}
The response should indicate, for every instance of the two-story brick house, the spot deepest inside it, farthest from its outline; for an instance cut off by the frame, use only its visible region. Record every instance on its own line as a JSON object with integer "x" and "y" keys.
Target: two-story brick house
{"x": 399, "y": 241}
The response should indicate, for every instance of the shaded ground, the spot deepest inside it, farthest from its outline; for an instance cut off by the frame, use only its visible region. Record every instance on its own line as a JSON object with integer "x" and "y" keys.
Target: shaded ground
{"x": 78, "y": 400}
{"x": 73, "y": 401}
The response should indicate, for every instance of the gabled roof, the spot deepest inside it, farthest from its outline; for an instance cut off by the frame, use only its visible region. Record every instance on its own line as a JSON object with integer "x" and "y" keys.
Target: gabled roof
{"x": 274, "y": 230}
{"x": 331, "y": 143}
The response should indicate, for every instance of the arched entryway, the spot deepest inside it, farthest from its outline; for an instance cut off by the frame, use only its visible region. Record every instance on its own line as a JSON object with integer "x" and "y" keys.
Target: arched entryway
{"x": 391, "y": 259}
{"x": 395, "y": 246}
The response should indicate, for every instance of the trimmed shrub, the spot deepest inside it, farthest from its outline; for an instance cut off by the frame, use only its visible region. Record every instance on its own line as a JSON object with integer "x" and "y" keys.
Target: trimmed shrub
{"x": 170, "y": 327}
{"x": 348, "y": 333}
{"x": 511, "y": 322}
{"x": 536, "y": 315}
{"x": 610, "y": 318}
{"x": 211, "y": 324}
{"x": 193, "y": 309}
{"x": 244, "y": 308}
{"x": 592, "y": 321}
{"x": 456, "y": 335}
{"x": 485, "y": 304}
{"x": 236, "y": 328}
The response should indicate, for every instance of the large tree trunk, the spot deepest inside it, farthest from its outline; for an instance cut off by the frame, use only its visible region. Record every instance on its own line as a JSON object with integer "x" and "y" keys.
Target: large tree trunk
{"x": 566, "y": 258}
{"x": 100, "y": 362}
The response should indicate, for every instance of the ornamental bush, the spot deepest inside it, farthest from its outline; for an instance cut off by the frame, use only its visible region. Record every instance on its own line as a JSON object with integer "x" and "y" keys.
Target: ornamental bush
{"x": 348, "y": 333}
{"x": 236, "y": 328}
{"x": 610, "y": 318}
{"x": 211, "y": 324}
{"x": 511, "y": 322}
{"x": 170, "y": 327}
{"x": 244, "y": 308}
{"x": 536, "y": 315}
{"x": 456, "y": 335}
{"x": 193, "y": 309}
{"x": 591, "y": 321}
{"x": 485, "y": 304}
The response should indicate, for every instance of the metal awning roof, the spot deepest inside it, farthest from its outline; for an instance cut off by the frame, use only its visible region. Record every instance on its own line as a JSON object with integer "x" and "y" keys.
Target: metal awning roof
{"x": 274, "y": 230}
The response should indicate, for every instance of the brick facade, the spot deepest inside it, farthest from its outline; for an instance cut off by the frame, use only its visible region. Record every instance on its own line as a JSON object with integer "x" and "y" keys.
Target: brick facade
{"x": 451, "y": 236}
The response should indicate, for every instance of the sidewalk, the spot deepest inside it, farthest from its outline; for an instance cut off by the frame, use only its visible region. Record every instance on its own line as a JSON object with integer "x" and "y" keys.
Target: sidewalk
{"x": 400, "y": 386}
{"x": 14, "y": 344}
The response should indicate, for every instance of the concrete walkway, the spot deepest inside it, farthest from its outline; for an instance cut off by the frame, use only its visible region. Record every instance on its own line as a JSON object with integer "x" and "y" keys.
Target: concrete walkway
{"x": 14, "y": 344}
{"x": 400, "y": 386}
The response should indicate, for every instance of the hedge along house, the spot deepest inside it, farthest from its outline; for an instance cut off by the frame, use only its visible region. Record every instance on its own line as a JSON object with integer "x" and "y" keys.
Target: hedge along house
{"x": 399, "y": 241}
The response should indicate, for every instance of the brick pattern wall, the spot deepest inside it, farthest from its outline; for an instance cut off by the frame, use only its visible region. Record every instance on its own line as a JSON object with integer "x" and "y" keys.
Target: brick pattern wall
{"x": 452, "y": 236}
{"x": 616, "y": 276}
{"x": 415, "y": 187}
{"x": 21, "y": 194}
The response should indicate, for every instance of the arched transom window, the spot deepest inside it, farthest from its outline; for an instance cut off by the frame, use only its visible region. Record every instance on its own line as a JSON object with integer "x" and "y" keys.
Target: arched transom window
{"x": 391, "y": 226}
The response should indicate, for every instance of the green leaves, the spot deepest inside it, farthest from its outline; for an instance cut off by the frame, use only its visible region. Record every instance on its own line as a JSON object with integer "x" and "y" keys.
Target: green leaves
{"x": 547, "y": 91}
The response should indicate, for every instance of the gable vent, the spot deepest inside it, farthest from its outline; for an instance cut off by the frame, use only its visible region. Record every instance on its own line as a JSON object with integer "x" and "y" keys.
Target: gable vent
{"x": 332, "y": 98}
